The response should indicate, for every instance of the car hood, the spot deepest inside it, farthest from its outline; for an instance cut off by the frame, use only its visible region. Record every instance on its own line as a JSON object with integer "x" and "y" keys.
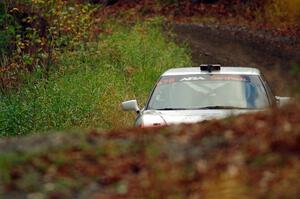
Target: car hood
{"x": 159, "y": 118}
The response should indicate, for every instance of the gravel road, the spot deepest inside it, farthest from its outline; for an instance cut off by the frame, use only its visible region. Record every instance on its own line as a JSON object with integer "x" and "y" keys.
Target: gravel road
{"x": 275, "y": 56}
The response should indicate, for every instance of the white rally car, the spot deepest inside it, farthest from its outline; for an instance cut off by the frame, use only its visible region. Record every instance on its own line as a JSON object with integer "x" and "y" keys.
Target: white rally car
{"x": 194, "y": 94}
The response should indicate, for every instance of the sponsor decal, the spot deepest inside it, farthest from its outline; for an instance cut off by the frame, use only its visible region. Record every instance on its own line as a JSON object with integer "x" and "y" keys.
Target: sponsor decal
{"x": 171, "y": 80}
{"x": 166, "y": 81}
{"x": 192, "y": 78}
{"x": 228, "y": 78}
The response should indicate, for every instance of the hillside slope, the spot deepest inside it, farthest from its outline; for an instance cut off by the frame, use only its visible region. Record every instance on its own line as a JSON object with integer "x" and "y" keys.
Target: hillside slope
{"x": 252, "y": 156}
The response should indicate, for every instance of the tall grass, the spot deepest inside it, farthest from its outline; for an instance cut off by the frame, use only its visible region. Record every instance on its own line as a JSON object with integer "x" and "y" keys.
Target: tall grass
{"x": 92, "y": 81}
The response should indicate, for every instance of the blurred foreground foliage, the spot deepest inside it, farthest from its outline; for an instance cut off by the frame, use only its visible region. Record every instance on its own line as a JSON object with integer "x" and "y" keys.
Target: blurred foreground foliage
{"x": 251, "y": 156}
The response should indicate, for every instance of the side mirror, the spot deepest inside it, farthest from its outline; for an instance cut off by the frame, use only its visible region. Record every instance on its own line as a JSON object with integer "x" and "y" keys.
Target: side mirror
{"x": 131, "y": 105}
{"x": 282, "y": 100}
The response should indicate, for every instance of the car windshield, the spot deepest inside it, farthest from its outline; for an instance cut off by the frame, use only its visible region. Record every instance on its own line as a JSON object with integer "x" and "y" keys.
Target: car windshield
{"x": 208, "y": 91}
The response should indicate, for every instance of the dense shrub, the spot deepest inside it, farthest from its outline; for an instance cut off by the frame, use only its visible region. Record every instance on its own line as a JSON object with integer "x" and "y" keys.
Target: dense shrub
{"x": 39, "y": 29}
{"x": 7, "y": 30}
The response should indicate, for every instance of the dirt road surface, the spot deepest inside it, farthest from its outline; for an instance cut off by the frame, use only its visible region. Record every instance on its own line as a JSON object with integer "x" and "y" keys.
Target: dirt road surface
{"x": 277, "y": 57}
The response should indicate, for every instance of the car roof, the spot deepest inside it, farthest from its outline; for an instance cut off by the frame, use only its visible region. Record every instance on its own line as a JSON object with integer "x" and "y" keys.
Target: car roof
{"x": 224, "y": 70}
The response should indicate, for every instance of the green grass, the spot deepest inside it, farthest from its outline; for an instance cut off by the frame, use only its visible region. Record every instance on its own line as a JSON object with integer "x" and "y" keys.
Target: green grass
{"x": 90, "y": 82}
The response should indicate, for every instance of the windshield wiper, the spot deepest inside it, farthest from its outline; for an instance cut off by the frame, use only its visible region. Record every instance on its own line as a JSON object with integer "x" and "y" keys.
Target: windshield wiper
{"x": 171, "y": 109}
{"x": 220, "y": 107}
{"x": 201, "y": 108}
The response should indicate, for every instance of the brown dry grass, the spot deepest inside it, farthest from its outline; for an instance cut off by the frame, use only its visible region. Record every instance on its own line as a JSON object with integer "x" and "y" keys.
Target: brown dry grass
{"x": 284, "y": 11}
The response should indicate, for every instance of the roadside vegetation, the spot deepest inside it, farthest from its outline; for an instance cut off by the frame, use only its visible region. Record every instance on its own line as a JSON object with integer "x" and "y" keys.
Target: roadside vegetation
{"x": 62, "y": 69}
{"x": 91, "y": 81}
{"x": 281, "y": 17}
{"x": 67, "y": 64}
{"x": 283, "y": 11}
